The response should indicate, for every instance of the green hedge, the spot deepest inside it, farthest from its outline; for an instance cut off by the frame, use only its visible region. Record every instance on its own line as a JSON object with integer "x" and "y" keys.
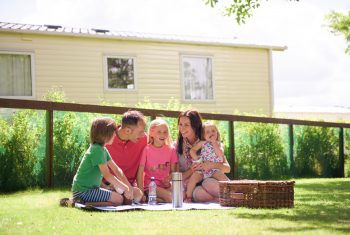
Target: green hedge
{"x": 261, "y": 149}
{"x": 260, "y": 152}
{"x": 21, "y": 156}
{"x": 347, "y": 152}
{"x": 316, "y": 152}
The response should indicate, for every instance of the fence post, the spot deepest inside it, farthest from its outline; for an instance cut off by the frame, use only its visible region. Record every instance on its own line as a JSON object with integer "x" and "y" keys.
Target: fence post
{"x": 341, "y": 153}
{"x": 49, "y": 146}
{"x": 291, "y": 149}
{"x": 231, "y": 148}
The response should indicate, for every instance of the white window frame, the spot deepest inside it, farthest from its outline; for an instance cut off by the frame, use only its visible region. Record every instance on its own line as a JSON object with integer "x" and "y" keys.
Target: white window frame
{"x": 105, "y": 70}
{"x": 204, "y": 56}
{"x": 32, "y": 67}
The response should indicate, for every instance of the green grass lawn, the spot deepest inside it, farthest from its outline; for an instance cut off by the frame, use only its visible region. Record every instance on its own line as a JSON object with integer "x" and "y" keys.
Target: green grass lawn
{"x": 322, "y": 206}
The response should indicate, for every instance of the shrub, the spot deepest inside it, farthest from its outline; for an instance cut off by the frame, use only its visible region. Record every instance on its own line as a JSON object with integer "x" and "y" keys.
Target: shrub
{"x": 19, "y": 151}
{"x": 316, "y": 152}
{"x": 5, "y": 163}
{"x": 259, "y": 151}
{"x": 55, "y": 94}
{"x": 70, "y": 140}
{"x": 347, "y": 152}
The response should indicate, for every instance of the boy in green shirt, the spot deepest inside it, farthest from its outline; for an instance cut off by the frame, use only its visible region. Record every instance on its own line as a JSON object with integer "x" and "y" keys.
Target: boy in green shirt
{"x": 95, "y": 165}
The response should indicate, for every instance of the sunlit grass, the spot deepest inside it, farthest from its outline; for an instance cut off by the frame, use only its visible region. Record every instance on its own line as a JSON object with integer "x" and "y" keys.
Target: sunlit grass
{"x": 322, "y": 206}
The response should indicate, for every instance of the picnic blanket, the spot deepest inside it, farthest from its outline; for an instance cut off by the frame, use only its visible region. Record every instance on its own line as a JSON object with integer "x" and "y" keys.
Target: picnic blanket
{"x": 158, "y": 207}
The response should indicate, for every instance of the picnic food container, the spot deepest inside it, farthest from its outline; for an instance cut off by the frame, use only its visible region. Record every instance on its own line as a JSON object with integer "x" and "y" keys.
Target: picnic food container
{"x": 257, "y": 194}
{"x": 177, "y": 189}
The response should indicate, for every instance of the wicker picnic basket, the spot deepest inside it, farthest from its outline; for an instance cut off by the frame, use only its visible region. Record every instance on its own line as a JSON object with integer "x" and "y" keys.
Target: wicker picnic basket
{"x": 257, "y": 194}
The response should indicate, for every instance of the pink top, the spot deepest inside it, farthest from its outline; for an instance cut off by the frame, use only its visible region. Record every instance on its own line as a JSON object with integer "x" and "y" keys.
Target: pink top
{"x": 156, "y": 162}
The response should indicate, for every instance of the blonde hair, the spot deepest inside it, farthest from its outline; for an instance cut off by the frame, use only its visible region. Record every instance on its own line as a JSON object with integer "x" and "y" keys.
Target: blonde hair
{"x": 102, "y": 130}
{"x": 208, "y": 124}
{"x": 153, "y": 125}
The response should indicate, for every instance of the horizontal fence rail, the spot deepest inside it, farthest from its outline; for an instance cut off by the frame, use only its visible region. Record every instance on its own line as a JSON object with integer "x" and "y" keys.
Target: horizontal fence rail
{"x": 55, "y": 106}
{"x": 49, "y": 107}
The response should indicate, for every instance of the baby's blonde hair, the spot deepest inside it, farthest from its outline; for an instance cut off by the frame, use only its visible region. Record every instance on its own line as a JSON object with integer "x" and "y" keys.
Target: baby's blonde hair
{"x": 208, "y": 124}
{"x": 153, "y": 125}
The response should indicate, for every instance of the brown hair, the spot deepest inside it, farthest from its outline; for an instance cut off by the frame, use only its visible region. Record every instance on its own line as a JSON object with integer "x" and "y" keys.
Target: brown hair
{"x": 131, "y": 118}
{"x": 196, "y": 124}
{"x": 102, "y": 129}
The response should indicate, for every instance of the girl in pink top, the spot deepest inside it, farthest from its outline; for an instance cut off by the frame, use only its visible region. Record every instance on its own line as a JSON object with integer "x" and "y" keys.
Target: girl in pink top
{"x": 158, "y": 160}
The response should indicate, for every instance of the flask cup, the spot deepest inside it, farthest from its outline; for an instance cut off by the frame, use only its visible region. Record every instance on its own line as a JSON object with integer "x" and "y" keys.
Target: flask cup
{"x": 177, "y": 194}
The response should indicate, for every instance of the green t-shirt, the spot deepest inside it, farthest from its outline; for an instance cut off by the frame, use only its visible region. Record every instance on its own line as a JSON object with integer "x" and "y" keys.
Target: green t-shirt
{"x": 89, "y": 175}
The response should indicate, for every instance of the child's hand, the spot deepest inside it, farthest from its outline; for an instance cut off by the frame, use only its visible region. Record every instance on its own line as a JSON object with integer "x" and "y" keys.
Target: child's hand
{"x": 202, "y": 166}
{"x": 207, "y": 165}
{"x": 166, "y": 181}
{"x": 196, "y": 166}
{"x": 128, "y": 194}
{"x": 212, "y": 139}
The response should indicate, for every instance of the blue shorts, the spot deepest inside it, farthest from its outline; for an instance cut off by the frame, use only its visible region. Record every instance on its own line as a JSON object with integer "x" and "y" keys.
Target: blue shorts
{"x": 93, "y": 195}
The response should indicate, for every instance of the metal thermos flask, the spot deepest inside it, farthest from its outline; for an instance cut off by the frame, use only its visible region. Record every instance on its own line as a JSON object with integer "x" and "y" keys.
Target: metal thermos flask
{"x": 177, "y": 193}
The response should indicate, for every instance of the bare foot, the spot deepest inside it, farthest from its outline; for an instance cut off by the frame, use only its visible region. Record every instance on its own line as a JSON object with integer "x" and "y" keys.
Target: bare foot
{"x": 188, "y": 199}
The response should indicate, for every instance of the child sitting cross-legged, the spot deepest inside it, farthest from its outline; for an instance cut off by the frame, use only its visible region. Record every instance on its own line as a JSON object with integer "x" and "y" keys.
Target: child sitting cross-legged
{"x": 158, "y": 160}
{"x": 95, "y": 164}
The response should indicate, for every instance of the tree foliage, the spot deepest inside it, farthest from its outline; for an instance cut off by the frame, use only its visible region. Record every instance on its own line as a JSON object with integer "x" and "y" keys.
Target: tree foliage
{"x": 340, "y": 24}
{"x": 240, "y": 9}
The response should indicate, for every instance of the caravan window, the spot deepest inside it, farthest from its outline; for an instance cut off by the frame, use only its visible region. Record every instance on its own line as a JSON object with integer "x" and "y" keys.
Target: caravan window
{"x": 16, "y": 75}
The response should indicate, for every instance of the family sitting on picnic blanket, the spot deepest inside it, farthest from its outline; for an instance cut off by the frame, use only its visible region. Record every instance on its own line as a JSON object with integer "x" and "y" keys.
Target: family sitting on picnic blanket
{"x": 121, "y": 159}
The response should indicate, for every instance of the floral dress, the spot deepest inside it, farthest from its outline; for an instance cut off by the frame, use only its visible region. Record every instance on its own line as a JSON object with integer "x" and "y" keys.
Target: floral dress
{"x": 208, "y": 154}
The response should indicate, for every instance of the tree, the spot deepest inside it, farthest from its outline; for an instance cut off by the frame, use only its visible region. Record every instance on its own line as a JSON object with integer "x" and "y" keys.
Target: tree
{"x": 340, "y": 24}
{"x": 240, "y": 9}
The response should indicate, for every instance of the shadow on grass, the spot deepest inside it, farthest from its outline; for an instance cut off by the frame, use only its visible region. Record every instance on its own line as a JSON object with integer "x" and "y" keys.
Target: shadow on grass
{"x": 34, "y": 189}
{"x": 62, "y": 188}
{"x": 320, "y": 205}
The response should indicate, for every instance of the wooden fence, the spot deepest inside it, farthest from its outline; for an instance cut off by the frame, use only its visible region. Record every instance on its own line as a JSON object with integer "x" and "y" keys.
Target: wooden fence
{"x": 50, "y": 107}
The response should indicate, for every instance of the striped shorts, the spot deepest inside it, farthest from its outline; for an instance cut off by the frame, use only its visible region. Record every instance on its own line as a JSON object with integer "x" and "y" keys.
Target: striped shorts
{"x": 93, "y": 195}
